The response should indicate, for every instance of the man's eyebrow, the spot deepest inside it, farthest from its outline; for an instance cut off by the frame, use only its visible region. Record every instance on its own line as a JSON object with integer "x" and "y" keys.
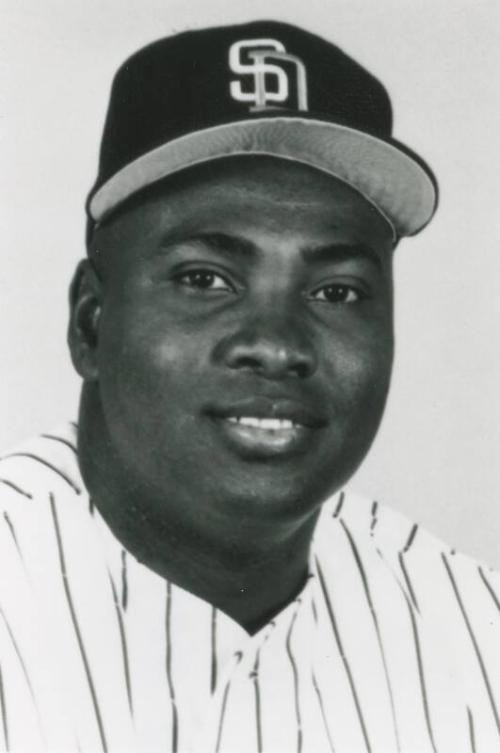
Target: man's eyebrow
{"x": 337, "y": 252}
{"x": 221, "y": 242}
{"x": 235, "y": 245}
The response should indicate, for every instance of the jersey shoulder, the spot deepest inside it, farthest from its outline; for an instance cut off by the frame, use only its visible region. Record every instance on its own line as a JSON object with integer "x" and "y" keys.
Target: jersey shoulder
{"x": 388, "y": 529}
{"x": 380, "y": 537}
{"x": 34, "y": 467}
{"x": 33, "y": 473}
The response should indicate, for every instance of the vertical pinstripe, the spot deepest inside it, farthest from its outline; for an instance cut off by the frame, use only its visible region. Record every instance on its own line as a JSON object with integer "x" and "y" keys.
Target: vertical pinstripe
{"x": 298, "y": 716}
{"x": 15, "y": 540}
{"x": 489, "y": 587}
{"x": 123, "y": 556}
{"x": 472, "y": 733}
{"x": 373, "y": 613}
{"x": 419, "y": 662}
{"x": 24, "y": 669}
{"x": 220, "y": 726}
{"x": 12, "y": 531}
{"x": 213, "y": 648}
{"x": 343, "y": 656}
{"x": 123, "y": 642}
{"x": 340, "y": 505}
{"x": 78, "y": 635}
{"x": 401, "y": 556}
{"x": 258, "y": 719}
{"x": 168, "y": 663}
{"x": 222, "y": 715}
{"x": 411, "y": 538}
{"x": 322, "y": 710}
{"x": 314, "y": 611}
{"x": 421, "y": 675}
{"x": 475, "y": 644}
{"x": 256, "y": 685}
{"x": 408, "y": 582}
{"x": 374, "y": 519}
{"x": 3, "y": 710}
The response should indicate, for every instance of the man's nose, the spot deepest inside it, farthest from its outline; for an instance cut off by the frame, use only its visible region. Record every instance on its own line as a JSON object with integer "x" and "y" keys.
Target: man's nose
{"x": 274, "y": 347}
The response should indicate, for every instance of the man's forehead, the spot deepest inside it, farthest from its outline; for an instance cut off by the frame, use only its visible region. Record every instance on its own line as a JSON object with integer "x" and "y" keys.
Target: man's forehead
{"x": 243, "y": 184}
{"x": 262, "y": 180}
{"x": 249, "y": 199}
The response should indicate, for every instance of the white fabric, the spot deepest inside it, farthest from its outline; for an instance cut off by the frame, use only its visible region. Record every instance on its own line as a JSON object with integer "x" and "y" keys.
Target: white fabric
{"x": 393, "y": 644}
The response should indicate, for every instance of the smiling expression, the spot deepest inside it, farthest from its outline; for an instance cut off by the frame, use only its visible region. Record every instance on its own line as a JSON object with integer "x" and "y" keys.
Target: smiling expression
{"x": 245, "y": 341}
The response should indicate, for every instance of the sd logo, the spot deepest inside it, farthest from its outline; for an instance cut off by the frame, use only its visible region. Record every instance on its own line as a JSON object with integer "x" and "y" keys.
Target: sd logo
{"x": 258, "y": 58}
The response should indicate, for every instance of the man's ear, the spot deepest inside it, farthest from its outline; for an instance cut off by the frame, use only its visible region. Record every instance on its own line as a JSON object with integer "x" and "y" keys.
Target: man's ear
{"x": 85, "y": 299}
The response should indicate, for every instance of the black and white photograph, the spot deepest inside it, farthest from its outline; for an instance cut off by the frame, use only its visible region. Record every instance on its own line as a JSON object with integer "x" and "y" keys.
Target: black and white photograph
{"x": 249, "y": 435}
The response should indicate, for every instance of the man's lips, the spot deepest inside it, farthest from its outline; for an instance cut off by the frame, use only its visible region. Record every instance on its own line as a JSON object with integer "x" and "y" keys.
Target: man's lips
{"x": 266, "y": 409}
{"x": 265, "y": 427}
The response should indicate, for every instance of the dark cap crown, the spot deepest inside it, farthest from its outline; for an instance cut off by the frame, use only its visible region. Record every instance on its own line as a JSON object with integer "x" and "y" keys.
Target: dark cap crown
{"x": 181, "y": 84}
{"x": 263, "y": 87}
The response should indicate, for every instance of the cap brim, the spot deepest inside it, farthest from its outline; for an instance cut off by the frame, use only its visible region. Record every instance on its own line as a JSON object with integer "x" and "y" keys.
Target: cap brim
{"x": 391, "y": 179}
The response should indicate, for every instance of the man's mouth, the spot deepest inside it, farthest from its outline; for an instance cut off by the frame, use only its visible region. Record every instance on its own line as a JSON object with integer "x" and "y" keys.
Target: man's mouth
{"x": 264, "y": 424}
{"x": 264, "y": 437}
{"x": 261, "y": 427}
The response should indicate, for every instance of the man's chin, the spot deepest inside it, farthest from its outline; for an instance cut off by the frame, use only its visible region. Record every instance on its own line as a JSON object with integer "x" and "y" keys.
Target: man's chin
{"x": 270, "y": 492}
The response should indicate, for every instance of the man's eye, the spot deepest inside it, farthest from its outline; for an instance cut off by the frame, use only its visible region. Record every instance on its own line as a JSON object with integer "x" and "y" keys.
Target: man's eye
{"x": 338, "y": 294}
{"x": 203, "y": 279}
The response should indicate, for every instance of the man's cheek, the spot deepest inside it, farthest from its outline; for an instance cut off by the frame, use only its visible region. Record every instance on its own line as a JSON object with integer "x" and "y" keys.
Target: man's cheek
{"x": 358, "y": 366}
{"x": 155, "y": 373}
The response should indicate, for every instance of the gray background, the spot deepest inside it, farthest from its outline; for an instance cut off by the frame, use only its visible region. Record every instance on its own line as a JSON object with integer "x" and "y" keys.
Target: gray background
{"x": 436, "y": 458}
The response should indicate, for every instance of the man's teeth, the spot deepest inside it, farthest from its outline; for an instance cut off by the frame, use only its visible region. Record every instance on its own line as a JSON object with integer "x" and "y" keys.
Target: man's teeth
{"x": 269, "y": 424}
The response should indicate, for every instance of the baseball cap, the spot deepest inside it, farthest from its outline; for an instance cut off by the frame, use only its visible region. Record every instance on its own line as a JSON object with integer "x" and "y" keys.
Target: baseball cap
{"x": 260, "y": 88}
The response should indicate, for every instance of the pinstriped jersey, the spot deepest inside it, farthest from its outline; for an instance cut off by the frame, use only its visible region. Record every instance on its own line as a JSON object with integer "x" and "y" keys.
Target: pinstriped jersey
{"x": 392, "y": 645}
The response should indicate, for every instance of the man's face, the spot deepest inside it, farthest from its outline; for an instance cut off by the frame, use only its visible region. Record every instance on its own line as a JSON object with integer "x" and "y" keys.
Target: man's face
{"x": 245, "y": 339}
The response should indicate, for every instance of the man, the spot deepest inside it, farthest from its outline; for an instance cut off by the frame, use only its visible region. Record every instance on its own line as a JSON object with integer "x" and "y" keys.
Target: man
{"x": 182, "y": 571}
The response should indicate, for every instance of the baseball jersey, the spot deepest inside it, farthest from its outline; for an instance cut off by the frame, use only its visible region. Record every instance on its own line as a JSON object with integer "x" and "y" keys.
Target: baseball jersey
{"x": 393, "y": 644}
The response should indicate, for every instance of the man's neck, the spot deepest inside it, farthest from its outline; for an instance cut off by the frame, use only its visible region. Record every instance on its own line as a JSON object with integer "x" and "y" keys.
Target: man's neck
{"x": 249, "y": 566}
{"x": 251, "y": 585}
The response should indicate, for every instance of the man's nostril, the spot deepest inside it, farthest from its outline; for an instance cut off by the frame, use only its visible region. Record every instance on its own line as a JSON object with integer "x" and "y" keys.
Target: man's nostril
{"x": 249, "y": 364}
